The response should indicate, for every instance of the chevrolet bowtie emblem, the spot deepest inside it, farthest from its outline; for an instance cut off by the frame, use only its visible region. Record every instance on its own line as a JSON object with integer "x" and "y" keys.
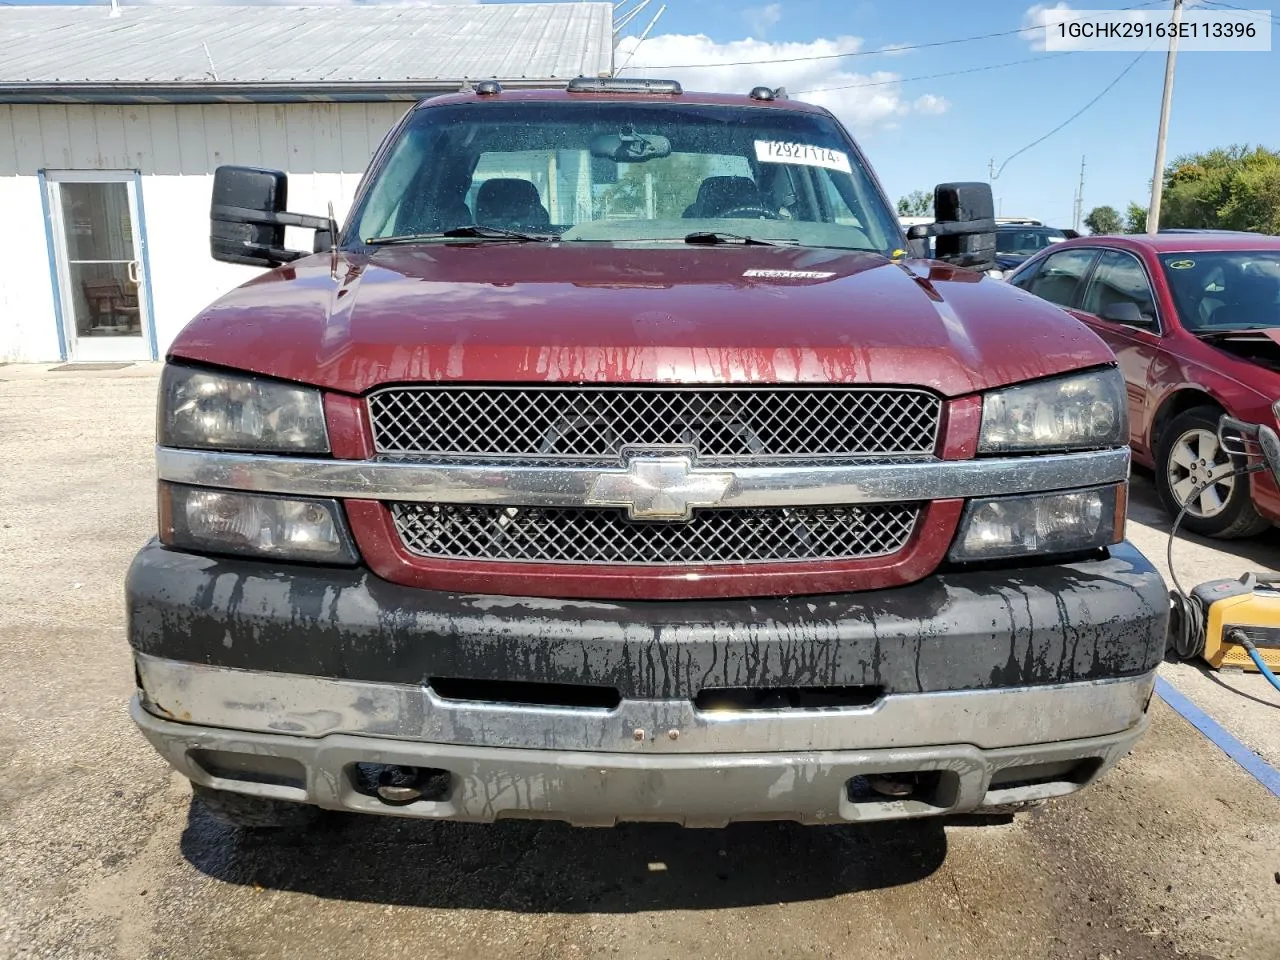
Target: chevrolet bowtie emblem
{"x": 659, "y": 488}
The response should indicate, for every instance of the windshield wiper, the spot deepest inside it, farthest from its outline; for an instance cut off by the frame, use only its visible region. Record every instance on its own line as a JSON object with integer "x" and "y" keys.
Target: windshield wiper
{"x": 1231, "y": 332}
{"x": 713, "y": 237}
{"x": 472, "y": 231}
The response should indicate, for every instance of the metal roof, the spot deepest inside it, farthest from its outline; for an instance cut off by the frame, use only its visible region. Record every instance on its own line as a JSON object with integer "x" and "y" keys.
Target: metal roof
{"x": 280, "y": 53}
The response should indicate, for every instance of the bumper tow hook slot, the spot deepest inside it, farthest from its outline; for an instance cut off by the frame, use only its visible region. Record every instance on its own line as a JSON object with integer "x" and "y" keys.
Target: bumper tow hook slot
{"x": 399, "y": 785}
{"x": 891, "y": 786}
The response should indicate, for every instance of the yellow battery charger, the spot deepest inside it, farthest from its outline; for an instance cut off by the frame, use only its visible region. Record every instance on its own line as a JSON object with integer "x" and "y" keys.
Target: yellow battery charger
{"x": 1232, "y": 609}
{"x": 1223, "y": 622}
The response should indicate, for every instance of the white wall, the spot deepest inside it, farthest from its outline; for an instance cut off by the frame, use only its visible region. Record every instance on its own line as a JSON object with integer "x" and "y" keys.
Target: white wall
{"x": 323, "y": 146}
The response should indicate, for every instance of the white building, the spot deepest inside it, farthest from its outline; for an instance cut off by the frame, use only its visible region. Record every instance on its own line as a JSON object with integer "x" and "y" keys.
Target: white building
{"x": 112, "y": 122}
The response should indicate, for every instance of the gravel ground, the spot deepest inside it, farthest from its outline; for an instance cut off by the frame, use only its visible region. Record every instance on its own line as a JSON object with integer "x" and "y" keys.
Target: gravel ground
{"x": 1176, "y": 853}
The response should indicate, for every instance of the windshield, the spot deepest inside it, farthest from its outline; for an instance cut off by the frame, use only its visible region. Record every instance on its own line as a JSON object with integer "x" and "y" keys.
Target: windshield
{"x": 1025, "y": 241}
{"x": 1227, "y": 290}
{"x": 626, "y": 172}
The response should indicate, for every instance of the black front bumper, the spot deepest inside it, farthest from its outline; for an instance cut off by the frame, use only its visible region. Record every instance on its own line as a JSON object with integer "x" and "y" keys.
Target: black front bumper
{"x": 955, "y": 631}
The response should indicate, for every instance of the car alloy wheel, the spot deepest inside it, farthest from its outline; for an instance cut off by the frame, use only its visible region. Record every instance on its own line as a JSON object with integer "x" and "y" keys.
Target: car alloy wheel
{"x": 1198, "y": 462}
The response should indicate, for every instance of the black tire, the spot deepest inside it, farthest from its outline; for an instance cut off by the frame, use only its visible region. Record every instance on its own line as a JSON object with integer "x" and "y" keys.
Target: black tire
{"x": 1237, "y": 516}
{"x": 254, "y": 813}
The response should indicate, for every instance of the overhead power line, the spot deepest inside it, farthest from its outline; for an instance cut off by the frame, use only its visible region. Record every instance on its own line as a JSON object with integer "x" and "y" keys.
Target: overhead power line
{"x": 1253, "y": 14}
{"x": 891, "y": 49}
{"x": 936, "y": 76}
{"x": 1105, "y": 90}
{"x": 834, "y": 56}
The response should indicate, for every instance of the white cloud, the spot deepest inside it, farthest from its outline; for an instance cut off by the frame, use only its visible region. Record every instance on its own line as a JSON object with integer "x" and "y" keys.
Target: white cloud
{"x": 760, "y": 19}
{"x": 930, "y": 104}
{"x": 1039, "y": 16}
{"x": 734, "y": 67}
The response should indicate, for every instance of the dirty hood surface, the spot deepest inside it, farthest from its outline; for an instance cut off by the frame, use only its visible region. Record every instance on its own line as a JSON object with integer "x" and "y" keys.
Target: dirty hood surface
{"x": 506, "y": 312}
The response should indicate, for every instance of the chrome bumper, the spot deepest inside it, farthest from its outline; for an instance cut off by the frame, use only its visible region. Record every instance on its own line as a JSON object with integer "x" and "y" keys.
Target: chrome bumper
{"x": 312, "y": 707}
{"x": 644, "y": 760}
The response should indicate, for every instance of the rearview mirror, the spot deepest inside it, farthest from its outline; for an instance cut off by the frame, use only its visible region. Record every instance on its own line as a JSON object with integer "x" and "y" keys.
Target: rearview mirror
{"x": 247, "y": 217}
{"x": 629, "y": 147}
{"x": 1126, "y": 312}
{"x": 964, "y": 225}
{"x": 970, "y": 210}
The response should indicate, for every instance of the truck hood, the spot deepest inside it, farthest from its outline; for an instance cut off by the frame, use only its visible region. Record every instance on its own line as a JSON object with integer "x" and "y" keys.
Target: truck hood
{"x": 503, "y": 312}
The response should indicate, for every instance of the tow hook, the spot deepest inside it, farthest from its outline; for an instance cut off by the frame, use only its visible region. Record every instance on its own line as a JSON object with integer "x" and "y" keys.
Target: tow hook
{"x": 399, "y": 785}
{"x": 889, "y": 785}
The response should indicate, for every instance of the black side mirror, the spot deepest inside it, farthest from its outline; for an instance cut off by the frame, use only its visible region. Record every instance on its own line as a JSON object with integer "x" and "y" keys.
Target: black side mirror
{"x": 1126, "y": 312}
{"x": 970, "y": 210}
{"x": 247, "y": 217}
{"x": 964, "y": 225}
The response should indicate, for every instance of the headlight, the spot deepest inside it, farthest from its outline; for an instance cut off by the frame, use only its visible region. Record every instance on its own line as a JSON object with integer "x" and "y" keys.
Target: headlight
{"x": 1081, "y": 411}
{"x": 236, "y": 412}
{"x": 219, "y": 521}
{"x": 1066, "y": 522}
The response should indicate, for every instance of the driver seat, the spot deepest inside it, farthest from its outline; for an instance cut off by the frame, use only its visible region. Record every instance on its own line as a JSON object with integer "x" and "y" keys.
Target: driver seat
{"x": 511, "y": 203}
{"x": 719, "y": 194}
{"x": 1251, "y": 298}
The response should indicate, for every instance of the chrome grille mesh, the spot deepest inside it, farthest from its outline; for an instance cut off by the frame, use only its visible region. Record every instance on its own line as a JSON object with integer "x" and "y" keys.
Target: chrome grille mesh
{"x": 573, "y": 535}
{"x": 722, "y": 424}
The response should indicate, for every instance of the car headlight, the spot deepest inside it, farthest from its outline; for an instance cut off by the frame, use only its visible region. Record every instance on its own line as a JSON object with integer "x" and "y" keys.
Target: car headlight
{"x": 251, "y": 524}
{"x": 224, "y": 411}
{"x": 1071, "y": 521}
{"x": 1077, "y": 412}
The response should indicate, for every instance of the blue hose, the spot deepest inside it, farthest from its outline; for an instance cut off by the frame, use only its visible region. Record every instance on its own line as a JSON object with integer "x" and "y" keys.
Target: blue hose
{"x": 1257, "y": 660}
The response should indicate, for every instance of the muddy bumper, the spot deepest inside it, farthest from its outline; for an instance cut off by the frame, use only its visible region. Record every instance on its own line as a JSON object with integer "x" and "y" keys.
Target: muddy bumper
{"x": 986, "y": 687}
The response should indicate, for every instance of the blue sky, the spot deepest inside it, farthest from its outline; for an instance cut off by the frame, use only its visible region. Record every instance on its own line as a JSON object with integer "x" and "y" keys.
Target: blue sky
{"x": 915, "y": 140}
{"x": 920, "y": 132}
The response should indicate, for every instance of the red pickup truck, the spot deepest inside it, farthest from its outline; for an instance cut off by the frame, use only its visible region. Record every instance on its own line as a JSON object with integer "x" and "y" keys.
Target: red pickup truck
{"x": 619, "y": 460}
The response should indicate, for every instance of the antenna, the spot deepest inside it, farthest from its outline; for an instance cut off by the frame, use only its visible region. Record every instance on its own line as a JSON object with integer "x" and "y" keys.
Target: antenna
{"x": 629, "y": 16}
{"x": 661, "y": 10}
{"x": 213, "y": 71}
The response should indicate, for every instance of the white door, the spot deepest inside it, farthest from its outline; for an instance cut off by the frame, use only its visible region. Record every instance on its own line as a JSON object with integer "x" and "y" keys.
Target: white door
{"x": 101, "y": 270}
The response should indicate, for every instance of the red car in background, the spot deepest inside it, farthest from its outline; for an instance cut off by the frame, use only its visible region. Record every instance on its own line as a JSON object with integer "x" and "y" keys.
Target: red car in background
{"x": 1194, "y": 319}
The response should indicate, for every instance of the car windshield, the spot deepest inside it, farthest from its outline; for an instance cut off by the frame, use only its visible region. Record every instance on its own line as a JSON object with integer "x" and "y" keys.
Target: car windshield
{"x": 1024, "y": 241}
{"x": 1225, "y": 290}
{"x": 619, "y": 172}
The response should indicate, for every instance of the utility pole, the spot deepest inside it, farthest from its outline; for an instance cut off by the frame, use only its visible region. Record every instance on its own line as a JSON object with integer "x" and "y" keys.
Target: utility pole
{"x": 1157, "y": 180}
{"x": 1079, "y": 199}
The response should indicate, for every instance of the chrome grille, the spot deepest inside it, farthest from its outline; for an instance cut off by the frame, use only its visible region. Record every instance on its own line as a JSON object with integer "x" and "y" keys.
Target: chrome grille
{"x": 595, "y": 424}
{"x": 573, "y": 535}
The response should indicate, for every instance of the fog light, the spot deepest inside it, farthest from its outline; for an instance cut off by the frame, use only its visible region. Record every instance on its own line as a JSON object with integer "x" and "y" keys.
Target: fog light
{"x": 221, "y": 521}
{"x": 1066, "y": 522}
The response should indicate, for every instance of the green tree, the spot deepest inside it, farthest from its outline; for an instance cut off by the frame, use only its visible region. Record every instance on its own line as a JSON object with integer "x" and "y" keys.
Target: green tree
{"x": 1227, "y": 188}
{"x": 1135, "y": 218}
{"x": 1104, "y": 220}
{"x": 917, "y": 203}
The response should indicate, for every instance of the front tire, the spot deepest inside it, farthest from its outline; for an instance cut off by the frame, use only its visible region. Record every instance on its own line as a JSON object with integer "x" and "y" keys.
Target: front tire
{"x": 1189, "y": 456}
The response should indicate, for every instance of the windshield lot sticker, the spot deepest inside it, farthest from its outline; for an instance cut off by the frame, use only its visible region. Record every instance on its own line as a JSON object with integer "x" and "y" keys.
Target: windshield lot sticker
{"x": 1181, "y": 264}
{"x": 802, "y": 154}
{"x": 790, "y": 274}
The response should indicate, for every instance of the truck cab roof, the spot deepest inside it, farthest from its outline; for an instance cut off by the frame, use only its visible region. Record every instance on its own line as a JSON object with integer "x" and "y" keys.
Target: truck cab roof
{"x": 604, "y": 89}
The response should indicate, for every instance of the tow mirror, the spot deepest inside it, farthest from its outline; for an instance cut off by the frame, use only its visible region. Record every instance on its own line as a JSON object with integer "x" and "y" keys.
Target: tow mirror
{"x": 964, "y": 225}
{"x": 247, "y": 218}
